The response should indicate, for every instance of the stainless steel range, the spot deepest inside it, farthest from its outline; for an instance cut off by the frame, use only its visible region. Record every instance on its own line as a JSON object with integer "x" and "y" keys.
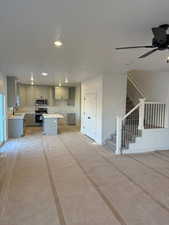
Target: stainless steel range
{"x": 38, "y": 114}
{"x": 40, "y": 108}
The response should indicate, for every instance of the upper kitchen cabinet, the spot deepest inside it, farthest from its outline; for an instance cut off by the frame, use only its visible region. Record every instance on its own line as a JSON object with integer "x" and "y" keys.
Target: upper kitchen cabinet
{"x": 12, "y": 91}
{"x": 61, "y": 93}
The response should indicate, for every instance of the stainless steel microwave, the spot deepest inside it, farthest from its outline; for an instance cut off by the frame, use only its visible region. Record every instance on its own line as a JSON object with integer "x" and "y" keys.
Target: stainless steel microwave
{"x": 41, "y": 102}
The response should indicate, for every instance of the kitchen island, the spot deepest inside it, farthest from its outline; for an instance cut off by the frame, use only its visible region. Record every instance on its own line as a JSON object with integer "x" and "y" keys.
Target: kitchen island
{"x": 50, "y": 123}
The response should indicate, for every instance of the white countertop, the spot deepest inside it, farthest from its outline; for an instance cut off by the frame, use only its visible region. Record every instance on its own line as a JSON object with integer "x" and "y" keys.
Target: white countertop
{"x": 53, "y": 116}
{"x": 17, "y": 116}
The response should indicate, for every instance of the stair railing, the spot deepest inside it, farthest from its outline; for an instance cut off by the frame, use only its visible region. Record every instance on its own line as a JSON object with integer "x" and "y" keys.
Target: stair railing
{"x": 145, "y": 115}
{"x": 155, "y": 114}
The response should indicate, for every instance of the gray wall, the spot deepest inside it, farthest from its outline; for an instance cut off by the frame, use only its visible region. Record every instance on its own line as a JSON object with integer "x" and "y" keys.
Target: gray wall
{"x": 3, "y": 89}
{"x": 2, "y": 84}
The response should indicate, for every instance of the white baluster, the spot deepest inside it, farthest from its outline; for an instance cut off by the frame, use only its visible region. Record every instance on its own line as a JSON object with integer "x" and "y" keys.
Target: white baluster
{"x": 118, "y": 134}
{"x": 141, "y": 114}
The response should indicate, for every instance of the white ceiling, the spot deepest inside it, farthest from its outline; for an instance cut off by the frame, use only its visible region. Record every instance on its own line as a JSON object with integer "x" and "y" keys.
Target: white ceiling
{"x": 90, "y": 31}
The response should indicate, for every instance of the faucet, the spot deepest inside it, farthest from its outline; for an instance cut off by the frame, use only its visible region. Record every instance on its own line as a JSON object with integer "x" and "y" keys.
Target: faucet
{"x": 14, "y": 108}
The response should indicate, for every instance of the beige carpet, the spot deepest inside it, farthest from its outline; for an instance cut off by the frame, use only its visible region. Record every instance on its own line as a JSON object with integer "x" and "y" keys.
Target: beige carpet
{"x": 68, "y": 180}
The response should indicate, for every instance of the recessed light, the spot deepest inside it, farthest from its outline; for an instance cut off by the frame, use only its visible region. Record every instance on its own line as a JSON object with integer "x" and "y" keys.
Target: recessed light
{"x": 66, "y": 80}
{"x": 58, "y": 43}
{"x": 32, "y": 79}
{"x": 44, "y": 74}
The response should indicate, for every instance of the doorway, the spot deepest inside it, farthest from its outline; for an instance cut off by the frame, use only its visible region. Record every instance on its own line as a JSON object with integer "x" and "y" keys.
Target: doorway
{"x": 2, "y": 119}
{"x": 90, "y": 109}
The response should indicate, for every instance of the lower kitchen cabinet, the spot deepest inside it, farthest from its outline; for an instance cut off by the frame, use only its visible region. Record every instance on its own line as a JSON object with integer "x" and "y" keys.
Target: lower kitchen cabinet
{"x": 50, "y": 126}
{"x": 15, "y": 128}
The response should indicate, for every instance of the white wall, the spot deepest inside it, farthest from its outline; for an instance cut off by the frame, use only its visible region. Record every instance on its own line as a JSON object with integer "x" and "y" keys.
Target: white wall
{"x": 94, "y": 85}
{"x": 111, "y": 100}
{"x": 155, "y": 86}
{"x": 114, "y": 101}
{"x": 151, "y": 140}
{"x": 133, "y": 93}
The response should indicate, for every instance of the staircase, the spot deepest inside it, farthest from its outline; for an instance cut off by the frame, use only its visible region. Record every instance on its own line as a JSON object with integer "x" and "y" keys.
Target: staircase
{"x": 127, "y": 132}
{"x": 111, "y": 143}
{"x": 148, "y": 118}
{"x": 143, "y": 121}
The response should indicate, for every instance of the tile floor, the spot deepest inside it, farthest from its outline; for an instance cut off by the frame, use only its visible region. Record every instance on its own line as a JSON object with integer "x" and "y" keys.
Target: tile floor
{"x": 68, "y": 180}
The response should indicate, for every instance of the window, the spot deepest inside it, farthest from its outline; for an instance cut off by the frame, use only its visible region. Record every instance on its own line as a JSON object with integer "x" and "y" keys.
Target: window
{"x": 2, "y": 119}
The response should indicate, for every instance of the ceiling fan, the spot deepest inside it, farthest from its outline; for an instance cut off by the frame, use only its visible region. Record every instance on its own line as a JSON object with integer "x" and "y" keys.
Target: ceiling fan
{"x": 160, "y": 41}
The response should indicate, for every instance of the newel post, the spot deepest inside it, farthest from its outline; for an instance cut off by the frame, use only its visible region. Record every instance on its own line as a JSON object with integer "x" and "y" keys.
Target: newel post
{"x": 141, "y": 113}
{"x": 118, "y": 134}
{"x": 166, "y": 116}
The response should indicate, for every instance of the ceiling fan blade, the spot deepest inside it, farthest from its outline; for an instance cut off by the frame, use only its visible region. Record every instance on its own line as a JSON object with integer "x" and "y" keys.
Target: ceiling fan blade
{"x": 146, "y": 46}
{"x": 148, "y": 53}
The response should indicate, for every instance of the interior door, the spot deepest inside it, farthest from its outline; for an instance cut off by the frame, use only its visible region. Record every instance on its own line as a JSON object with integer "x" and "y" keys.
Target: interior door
{"x": 90, "y": 115}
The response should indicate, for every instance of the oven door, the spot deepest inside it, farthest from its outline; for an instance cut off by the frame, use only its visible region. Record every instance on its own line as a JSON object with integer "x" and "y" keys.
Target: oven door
{"x": 39, "y": 118}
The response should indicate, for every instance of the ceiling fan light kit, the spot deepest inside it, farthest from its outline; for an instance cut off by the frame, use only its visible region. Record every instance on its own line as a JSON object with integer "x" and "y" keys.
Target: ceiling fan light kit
{"x": 160, "y": 41}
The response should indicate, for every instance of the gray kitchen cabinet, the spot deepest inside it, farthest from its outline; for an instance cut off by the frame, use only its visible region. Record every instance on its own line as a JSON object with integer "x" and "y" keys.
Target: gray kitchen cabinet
{"x": 12, "y": 91}
{"x": 22, "y": 96}
{"x": 50, "y": 126}
{"x": 15, "y": 128}
{"x": 61, "y": 93}
{"x": 72, "y": 92}
{"x": 29, "y": 94}
{"x": 71, "y": 119}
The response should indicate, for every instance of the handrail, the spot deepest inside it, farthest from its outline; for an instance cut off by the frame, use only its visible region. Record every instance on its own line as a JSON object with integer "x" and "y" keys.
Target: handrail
{"x": 136, "y": 87}
{"x": 130, "y": 112}
{"x": 160, "y": 103}
{"x": 125, "y": 116}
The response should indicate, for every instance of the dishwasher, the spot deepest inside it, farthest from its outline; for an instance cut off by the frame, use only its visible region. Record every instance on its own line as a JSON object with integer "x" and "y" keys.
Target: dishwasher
{"x": 71, "y": 119}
